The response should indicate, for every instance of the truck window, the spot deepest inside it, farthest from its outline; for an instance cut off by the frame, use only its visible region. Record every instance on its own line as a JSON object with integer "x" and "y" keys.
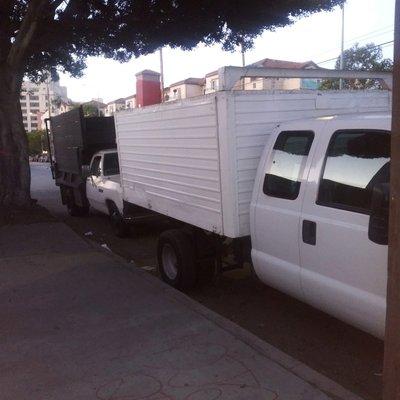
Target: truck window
{"x": 95, "y": 167}
{"x": 110, "y": 164}
{"x": 356, "y": 161}
{"x": 288, "y": 159}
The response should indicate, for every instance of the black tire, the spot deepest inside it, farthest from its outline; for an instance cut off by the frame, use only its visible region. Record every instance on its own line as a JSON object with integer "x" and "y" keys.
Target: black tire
{"x": 120, "y": 228}
{"x": 177, "y": 243}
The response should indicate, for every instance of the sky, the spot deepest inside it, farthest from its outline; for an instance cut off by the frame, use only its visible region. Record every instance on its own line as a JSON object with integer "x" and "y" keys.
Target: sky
{"x": 315, "y": 38}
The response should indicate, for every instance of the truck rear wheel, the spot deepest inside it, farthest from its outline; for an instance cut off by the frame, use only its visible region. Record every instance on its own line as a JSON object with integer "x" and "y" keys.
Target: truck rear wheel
{"x": 176, "y": 259}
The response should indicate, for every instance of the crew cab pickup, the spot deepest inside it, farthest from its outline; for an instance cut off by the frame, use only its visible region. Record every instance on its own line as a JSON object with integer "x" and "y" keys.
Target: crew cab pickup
{"x": 319, "y": 215}
{"x": 295, "y": 182}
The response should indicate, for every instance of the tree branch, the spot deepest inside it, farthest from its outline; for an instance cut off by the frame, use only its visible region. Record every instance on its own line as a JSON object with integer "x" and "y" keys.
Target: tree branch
{"x": 5, "y": 13}
{"x": 26, "y": 33}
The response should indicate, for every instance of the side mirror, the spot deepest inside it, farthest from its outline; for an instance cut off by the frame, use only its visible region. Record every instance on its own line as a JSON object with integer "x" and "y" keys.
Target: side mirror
{"x": 378, "y": 230}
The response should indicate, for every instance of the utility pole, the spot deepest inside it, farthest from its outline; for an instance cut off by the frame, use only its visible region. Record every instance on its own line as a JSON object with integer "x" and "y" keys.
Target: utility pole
{"x": 48, "y": 95}
{"x": 243, "y": 63}
{"x": 342, "y": 49}
{"x": 391, "y": 370}
{"x": 161, "y": 75}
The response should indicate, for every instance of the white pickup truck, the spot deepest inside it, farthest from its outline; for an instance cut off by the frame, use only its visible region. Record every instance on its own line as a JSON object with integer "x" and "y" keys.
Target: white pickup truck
{"x": 319, "y": 215}
{"x": 296, "y": 182}
{"x": 296, "y": 179}
{"x": 103, "y": 188}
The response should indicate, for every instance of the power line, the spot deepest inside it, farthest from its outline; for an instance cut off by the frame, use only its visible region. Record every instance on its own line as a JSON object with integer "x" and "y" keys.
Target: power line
{"x": 373, "y": 34}
{"x": 374, "y": 47}
{"x": 367, "y": 36}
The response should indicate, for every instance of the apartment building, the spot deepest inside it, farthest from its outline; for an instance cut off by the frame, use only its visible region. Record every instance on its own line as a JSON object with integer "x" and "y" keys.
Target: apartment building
{"x": 34, "y": 100}
{"x": 148, "y": 85}
{"x": 189, "y": 87}
{"x": 130, "y": 102}
{"x": 211, "y": 84}
{"x": 113, "y": 106}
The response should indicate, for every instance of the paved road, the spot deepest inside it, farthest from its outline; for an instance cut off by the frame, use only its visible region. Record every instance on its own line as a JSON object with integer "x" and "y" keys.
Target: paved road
{"x": 77, "y": 323}
{"x": 44, "y": 189}
{"x": 345, "y": 354}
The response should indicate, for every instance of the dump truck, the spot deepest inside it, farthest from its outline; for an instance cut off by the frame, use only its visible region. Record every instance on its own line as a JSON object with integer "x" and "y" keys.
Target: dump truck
{"x": 75, "y": 139}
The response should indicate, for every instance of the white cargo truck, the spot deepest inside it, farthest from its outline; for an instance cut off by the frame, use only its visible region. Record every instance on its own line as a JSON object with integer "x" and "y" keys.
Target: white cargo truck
{"x": 196, "y": 161}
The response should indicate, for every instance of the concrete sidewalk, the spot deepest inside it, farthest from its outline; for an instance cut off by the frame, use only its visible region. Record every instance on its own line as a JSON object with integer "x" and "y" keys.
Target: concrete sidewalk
{"x": 79, "y": 323}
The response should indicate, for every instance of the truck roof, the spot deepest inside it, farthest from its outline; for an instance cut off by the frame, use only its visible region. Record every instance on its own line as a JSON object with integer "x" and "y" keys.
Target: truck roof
{"x": 384, "y": 117}
{"x": 357, "y": 116}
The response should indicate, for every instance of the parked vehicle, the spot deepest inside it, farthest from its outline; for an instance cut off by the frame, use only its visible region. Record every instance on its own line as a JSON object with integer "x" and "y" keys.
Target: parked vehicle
{"x": 296, "y": 182}
{"x": 196, "y": 161}
{"x": 76, "y": 139}
{"x": 319, "y": 215}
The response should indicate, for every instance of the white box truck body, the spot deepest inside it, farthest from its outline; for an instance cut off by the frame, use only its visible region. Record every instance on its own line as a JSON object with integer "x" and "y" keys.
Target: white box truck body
{"x": 195, "y": 160}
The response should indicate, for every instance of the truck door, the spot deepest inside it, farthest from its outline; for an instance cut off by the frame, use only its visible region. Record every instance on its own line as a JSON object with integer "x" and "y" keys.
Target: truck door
{"x": 276, "y": 211}
{"x": 343, "y": 271}
{"x": 93, "y": 189}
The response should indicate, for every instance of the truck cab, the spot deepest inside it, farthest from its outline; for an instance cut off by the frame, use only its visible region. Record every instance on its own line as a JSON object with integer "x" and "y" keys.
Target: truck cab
{"x": 103, "y": 186}
{"x": 319, "y": 215}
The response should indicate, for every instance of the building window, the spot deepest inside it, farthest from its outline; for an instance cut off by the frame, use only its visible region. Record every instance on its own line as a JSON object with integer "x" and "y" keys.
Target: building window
{"x": 214, "y": 84}
{"x": 34, "y": 104}
{"x": 355, "y": 162}
{"x": 176, "y": 93}
{"x": 288, "y": 160}
{"x": 33, "y": 97}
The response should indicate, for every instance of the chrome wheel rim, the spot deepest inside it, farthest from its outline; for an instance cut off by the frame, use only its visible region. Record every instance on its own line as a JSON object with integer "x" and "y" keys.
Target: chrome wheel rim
{"x": 170, "y": 261}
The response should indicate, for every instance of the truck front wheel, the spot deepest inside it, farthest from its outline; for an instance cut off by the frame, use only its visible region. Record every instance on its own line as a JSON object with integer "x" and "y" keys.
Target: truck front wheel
{"x": 176, "y": 259}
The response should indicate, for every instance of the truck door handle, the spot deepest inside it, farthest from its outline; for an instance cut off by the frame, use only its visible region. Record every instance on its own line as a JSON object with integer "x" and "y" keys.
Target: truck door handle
{"x": 309, "y": 232}
{"x": 101, "y": 190}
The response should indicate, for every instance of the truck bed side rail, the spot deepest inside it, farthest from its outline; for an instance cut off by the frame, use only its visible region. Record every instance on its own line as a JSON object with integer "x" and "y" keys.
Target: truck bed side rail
{"x": 229, "y": 76}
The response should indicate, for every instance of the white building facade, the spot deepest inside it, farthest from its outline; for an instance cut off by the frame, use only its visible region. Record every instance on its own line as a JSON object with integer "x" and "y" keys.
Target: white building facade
{"x": 35, "y": 103}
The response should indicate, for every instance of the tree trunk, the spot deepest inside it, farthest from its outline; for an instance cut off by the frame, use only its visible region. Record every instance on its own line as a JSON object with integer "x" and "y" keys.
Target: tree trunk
{"x": 14, "y": 161}
{"x": 391, "y": 371}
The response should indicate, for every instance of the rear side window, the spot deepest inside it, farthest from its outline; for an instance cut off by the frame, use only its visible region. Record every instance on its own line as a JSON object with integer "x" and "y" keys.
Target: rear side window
{"x": 110, "y": 164}
{"x": 356, "y": 161}
{"x": 287, "y": 163}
